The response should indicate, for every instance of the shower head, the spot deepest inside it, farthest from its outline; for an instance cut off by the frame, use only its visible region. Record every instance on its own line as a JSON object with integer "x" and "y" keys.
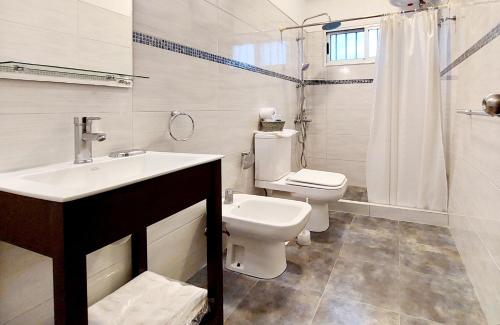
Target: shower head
{"x": 305, "y": 66}
{"x": 331, "y": 25}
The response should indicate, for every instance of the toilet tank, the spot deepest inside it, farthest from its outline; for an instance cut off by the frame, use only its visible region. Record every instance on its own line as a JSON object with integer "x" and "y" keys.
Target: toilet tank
{"x": 273, "y": 154}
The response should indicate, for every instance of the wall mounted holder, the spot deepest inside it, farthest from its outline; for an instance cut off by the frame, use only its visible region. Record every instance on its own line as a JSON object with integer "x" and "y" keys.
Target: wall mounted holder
{"x": 247, "y": 159}
{"x": 51, "y": 73}
{"x": 173, "y": 116}
{"x": 491, "y": 107}
{"x": 471, "y": 112}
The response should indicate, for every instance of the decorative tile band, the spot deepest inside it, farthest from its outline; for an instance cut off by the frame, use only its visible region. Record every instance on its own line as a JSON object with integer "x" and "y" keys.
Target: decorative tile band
{"x": 316, "y": 82}
{"x": 160, "y": 43}
{"x": 490, "y": 36}
{"x": 163, "y": 44}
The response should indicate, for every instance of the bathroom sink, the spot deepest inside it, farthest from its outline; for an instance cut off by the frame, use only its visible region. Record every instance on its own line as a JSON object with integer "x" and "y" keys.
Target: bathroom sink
{"x": 66, "y": 181}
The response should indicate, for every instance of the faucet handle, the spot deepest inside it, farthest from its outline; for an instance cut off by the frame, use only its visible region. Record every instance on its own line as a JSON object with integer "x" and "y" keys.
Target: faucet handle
{"x": 87, "y": 119}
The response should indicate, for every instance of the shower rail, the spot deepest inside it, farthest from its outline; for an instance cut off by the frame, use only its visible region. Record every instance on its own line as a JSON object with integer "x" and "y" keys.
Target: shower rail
{"x": 471, "y": 112}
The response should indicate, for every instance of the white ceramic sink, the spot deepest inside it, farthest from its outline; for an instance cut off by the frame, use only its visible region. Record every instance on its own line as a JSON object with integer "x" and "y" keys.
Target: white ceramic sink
{"x": 67, "y": 181}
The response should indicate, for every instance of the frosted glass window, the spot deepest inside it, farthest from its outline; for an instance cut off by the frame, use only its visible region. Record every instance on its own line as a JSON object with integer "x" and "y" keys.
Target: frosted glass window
{"x": 373, "y": 42}
{"x": 352, "y": 46}
{"x": 341, "y": 46}
{"x": 360, "y": 46}
{"x": 333, "y": 46}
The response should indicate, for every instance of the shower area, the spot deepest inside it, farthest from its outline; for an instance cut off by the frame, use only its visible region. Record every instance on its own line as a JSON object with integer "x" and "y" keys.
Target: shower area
{"x": 346, "y": 124}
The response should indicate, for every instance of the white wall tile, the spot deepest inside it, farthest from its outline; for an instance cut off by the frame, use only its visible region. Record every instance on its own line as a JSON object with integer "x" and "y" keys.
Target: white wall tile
{"x": 180, "y": 82}
{"x": 38, "y": 139}
{"x": 103, "y": 25}
{"x": 42, "y": 314}
{"x": 189, "y": 22}
{"x": 350, "y": 121}
{"x": 35, "y": 45}
{"x": 100, "y": 56}
{"x": 16, "y": 97}
{"x": 123, "y": 7}
{"x": 347, "y": 147}
{"x": 54, "y": 15}
{"x": 354, "y": 170}
{"x": 65, "y": 33}
{"x": 25, "y": 282}
{"x": 483, "y": 273}
{"x": 472, "y": 152}
{"x": 188, "y": 256}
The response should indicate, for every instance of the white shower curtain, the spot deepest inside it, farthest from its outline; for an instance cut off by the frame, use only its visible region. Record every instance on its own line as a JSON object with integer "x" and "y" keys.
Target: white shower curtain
{"x": 405, "y": 157}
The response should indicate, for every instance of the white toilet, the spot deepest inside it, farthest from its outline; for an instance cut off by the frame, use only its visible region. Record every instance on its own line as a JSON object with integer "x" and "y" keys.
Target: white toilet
{"x": 273, "y": 160}
{"x": 258, "y": 228}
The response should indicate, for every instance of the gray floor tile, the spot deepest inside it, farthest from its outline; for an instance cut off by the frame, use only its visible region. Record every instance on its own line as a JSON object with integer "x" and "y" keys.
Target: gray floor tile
{"x": 308, "y": 267}
{"x": 269, "y": 302}
{"x": 440, "y": 299}
{"x": 333, "y": 238}
{"x": 342, "y": 217}
{"x": 426, "y": 235}
{"x": 341, "y": 311}
{"x": 371, "y": 248}
{"x": 374, "y": 284}
{"x": 367, "y": 285}
{"x": 376, "y": 227}
{"x": 430, "y": 259}
{"x": 236, "y": 287}
{"x": 407, "y": 320}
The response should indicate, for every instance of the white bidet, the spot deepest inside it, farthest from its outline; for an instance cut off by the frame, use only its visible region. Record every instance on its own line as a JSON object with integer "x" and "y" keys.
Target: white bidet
{"x": 258, "y": 229}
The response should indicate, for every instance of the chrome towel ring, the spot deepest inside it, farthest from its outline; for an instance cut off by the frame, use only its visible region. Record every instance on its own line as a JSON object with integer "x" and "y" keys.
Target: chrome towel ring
{"x": 173, "y": 116}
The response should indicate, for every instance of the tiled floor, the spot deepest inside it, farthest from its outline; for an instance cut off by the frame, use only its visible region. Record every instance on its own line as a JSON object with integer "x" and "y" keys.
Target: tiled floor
{"x": 356, "y": 193}
{"x": 362, "y": 270}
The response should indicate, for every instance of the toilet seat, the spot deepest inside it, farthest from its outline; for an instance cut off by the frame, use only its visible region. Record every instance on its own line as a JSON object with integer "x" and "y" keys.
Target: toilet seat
{"x": 317, "y": 195}
{"x": 306, "y": 190}
{"x": 316, "y": 178}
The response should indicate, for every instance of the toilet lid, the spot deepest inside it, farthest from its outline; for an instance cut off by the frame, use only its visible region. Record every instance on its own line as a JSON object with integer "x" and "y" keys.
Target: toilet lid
{"x": 317, "y": 177}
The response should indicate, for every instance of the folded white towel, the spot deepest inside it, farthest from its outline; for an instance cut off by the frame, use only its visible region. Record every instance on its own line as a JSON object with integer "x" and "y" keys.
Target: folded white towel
{"x": 150, "y": 299}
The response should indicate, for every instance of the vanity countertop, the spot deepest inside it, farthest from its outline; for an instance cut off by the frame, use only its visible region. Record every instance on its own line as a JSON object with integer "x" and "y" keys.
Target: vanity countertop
{"x": 65, "y": 182}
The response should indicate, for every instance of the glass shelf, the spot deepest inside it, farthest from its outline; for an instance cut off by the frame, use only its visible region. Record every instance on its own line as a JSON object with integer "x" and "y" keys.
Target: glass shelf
{"x": 42, "y": 72}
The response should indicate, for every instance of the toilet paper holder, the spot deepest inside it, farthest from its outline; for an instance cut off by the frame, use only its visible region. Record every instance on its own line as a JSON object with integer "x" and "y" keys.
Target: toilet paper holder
{"x": 247, "y": 159}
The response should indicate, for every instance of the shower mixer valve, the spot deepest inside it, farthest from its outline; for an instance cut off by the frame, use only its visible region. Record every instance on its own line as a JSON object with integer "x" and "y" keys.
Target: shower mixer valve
{"x": 303, "y": 120}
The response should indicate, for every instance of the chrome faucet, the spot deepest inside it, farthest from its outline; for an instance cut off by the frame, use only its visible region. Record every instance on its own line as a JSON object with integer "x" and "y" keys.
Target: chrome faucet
{"x": 84, "y": 138}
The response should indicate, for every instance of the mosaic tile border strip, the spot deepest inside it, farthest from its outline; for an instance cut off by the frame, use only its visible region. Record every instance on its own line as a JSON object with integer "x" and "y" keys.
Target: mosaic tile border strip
{"x": 316, "y": 82}
{"x": 490, "y": 36}
{"x": 163, "y": 44}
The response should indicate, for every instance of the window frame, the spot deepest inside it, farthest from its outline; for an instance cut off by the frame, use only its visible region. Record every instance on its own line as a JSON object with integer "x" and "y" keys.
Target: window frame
{"x": 366, "y": 60}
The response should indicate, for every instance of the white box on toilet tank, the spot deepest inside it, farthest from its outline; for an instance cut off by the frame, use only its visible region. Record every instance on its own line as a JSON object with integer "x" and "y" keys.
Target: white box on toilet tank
{"x": 273, "y": 154}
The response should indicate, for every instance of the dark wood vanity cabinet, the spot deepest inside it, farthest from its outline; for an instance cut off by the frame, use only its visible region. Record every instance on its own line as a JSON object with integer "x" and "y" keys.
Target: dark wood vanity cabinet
{"x": 68, "y": 231}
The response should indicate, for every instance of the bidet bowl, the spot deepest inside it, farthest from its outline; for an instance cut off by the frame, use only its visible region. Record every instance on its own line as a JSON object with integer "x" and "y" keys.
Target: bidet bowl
{"x": 265, "y": 218}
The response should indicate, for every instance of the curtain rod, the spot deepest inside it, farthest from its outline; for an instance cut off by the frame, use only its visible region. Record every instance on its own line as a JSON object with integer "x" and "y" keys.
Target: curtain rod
{"x": 362, "y": 18}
